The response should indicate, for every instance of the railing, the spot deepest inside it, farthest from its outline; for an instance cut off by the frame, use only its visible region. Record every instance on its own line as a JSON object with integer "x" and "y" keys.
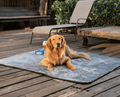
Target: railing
{"x": 8, "y": 3}
{"x": 15, "y": 3}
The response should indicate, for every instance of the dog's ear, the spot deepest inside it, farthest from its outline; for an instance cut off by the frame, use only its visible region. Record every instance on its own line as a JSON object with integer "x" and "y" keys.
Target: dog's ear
{"x": 63, "y": 42}
{"x": 49, "y": 44}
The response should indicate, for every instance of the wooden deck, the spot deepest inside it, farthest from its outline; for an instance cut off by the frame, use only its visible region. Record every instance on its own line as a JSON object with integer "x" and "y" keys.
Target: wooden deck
{"x": 110, "y": 32}
{"x": 16, "y": 82}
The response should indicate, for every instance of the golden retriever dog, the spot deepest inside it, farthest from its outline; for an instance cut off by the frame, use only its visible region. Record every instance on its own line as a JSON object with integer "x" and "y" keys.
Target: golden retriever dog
{"x": 58, "y": 53}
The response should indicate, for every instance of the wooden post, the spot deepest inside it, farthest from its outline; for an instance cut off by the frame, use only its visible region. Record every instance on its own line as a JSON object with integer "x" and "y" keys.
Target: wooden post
{"x": 43, "y": 7}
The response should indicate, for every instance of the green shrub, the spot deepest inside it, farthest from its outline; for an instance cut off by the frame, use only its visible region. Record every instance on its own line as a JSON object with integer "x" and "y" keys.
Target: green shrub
{"x": 103, "y": 13}
{"x": 63, "y": 10}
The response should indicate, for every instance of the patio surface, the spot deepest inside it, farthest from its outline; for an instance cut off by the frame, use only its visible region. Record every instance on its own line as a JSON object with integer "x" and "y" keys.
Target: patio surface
{"x": 16, "y": 82}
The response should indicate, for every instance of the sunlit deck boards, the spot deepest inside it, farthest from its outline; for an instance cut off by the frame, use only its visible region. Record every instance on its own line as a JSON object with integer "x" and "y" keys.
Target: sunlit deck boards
{"x": 16, "y": 82}
{"x": 111, "y": 32}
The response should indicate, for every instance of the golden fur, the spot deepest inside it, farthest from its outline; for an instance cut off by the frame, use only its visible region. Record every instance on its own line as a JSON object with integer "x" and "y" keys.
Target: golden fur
{"x": 57, "y": 53}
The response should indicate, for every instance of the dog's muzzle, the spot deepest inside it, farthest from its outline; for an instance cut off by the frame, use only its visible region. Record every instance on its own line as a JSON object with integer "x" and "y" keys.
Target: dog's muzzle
{"x": 58, "y": 44}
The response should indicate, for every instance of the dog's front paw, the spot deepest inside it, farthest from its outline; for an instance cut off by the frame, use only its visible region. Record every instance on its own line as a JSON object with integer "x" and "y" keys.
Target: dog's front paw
{"x": 50, "y": 68}
{"x": 72, "y": 67}
{"x": 44, "y": 43}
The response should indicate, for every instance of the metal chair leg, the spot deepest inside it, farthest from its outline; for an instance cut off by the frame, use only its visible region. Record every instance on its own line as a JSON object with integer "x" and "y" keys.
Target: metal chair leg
{"x": 49, "y": 34}
{"x": 56, "y": 31}
{"x": 31, "y": 38}
{"x": 75, "y": 34}
{"x": 84, "y": 41}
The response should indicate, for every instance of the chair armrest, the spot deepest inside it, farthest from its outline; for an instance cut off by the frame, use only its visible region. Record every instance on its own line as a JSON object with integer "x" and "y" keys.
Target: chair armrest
{"x": 78, "y": 21}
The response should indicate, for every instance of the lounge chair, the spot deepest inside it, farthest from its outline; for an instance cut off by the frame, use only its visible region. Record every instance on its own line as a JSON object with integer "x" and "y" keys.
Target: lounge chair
{"x": 78, "y": 19}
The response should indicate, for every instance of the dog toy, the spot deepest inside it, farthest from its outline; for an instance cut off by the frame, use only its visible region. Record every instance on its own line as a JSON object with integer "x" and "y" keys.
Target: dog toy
{"x": 44, "y": 43}
{"x": 39, "y": 52}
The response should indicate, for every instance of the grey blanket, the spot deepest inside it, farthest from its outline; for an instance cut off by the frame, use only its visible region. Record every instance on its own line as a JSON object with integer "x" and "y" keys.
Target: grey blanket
{"x": 86, "y": 71}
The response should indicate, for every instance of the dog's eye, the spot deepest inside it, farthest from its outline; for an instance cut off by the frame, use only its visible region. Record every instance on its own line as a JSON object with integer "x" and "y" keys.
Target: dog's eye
{"x": 53, "y": 39}
{"x": 59, "y": 38}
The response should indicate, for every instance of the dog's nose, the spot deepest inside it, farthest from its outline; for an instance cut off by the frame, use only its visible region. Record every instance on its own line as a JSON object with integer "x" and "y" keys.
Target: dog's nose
{"x": 58, "y": 44}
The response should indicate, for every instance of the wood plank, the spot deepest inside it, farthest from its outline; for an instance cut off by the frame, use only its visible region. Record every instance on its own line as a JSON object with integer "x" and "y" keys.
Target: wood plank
{"x": 107, "y": 46}
{"x": 13, "y": 11}
{"x": 18, "y": 51}
{"x": 16, "y": 9}
{"x": 100, "y": 88}
{"x": 9, "y": 71}
{"x": 114, "y": 47}
{"x": 24, "y": 91}
{"x": 116, "y": 56}
{"x": 22, "y": 85}
{"x": 1, "y": 66}
{"x": 97, "y": 51}
{"x": 87, "y": 48}
{"x": 96, "y": 41}
{"x": 19, "y": 39}
{"x": 14, "y": 47}
{"x": 20, "y": 42}
{"x": 36, "y": 42}
{"x": 112, "y": 32}
{"x": 22, "y": 39}
{"x": 68, "y": 94}
{"x": 4, "y": 68}
{"x": 65, "y": 93}
{"x": 13, "y": 75}
{"x": 8, "y": 14}
{"x": 104, "y": 47}
{"x": 11, "y": 32}
{"x": 7, "y": 43}
{"x": 114, "y": 92}
{"x": 15, "y": 41}
{"x": 18, "y": 79}
{"x": 112, "y": 53}
{"x": 51, "y": 89}
{"x": 103, "y": 79}
{"x": 108, "y": 49}
{"x": 25, "y": 17}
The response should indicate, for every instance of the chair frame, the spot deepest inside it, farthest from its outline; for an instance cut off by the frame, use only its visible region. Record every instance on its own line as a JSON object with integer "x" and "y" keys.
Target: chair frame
{"x": 74, "y": 27}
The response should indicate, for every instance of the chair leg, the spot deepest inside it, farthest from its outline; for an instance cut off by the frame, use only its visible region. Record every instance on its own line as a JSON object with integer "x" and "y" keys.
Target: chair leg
{"x": 75, "y": 36}
{"x": 49, "y": 34}
{"x": 75, "y": 33}
{"x": 84, "y": 41}
{"x": 31, "y": 38}
{"x": 57, "y": 31}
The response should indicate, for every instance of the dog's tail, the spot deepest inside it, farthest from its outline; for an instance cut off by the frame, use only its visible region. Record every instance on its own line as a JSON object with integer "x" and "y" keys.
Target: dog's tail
{"x": 72, "y": 54}
{"x": 84, "y": 55}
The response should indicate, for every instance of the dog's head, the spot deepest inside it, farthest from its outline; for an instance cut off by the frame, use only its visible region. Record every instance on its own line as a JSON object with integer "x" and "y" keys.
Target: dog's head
{"x": 56, "y": 41}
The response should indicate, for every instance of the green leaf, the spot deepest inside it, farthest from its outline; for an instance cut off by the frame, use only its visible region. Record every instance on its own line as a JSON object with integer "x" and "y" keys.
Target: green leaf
{"x": 115, "y": 4}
